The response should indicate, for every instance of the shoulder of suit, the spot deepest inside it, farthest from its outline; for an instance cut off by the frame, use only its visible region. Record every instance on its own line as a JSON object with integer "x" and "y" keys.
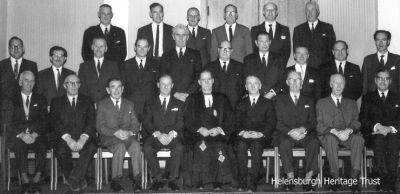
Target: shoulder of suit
{"x": 251, "y": 56}
{"x": 241, "y": 26}
{"x": 92, "y": 28}
{"x": 45, "y": 71}
{"x": 302, "y": 25}
{"x": 29, "y": 62}
{"x": 117, "y": 28}
{"x": 323, "y": 23}
{"x": 396, "y": 56}
{"x": 5, "y": 61}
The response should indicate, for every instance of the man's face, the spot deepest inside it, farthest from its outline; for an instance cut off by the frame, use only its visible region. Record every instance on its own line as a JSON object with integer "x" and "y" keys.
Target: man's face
{"x": 157, "y": 14}
{"x": 58, "y": 59}
{"x": 105, "y": 15}
{"x": 181, "y": 36}
{"x": 263, "y": 42}
{"x": 340, "y": 51}
{"x": 206, "y": 82}
{"x": 225, "y": 51}
{"x": 301, "y": 55}
{"x": 337, "y": 85}
{"x": 115, "y": 89}
{"x": 269, "y": 12}
{"x": 165, "y": 86}
{"x": 311, "y": 13}
{"x": 294, "y": 82}
{"x": 383, "y": 81}
{"x": 142, "y": 48}
{"x": 230, "y": 15}
{"x": 27, "y": 82}
{"x": 253, "y": 85}
{"x": 381, "y": 42}
{"x": 16, "y": 49}
{"x": 72, "y": 85}
{"x": 193, "y": 17}
{"x": 99, "y": 47}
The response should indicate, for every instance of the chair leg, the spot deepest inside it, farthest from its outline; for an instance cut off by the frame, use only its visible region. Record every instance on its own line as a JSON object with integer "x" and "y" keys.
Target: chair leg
{"x": 320, "y": 163}
{"x": 96, "y": 171}
{"x": 267, "y": 171}
{"x": 101, "y": 168}
{"x": 106, "y": 169}
{"x": 277, "y": 166}
{"x": 8, "y": 170}
{"x": 55, "y": 173}
{"x": 51, "y": 169}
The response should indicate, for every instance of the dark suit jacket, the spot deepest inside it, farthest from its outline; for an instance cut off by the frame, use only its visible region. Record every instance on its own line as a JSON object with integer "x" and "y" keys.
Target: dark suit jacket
{"x": 241, "y": 42}
{"x": 329, "y": 116}
{"x": 230, "y": 83}
{"x": 270, "y": 76}
{"x": 371, "y": 65}
{"x": 311, "y": 84}
{"x": 109, "y": 119}
{"x": 352, "y": 75}
{"x": 140, "y": 85}
{"x": 290, "y": 116}
{"x": 9, "y": 85}
{"x": 374, "y": 110}
{"x": 319, "y": 45}
{"x": 46, "y": 84}
{"x": 116, "y": 43}
{"x": 167, "y": 44}
{"x": 156, "y": 120}
{"x": 93, "y": 86}
{"x": 197, "y": 115}
{"x": 260, "y": 117}
{"x": 281, "y": 42}
{"x": 202, "y": 43}
{"x": 184, "y": 72}
{"x": 64, "y": 119}
{"x": 37, "y": 120}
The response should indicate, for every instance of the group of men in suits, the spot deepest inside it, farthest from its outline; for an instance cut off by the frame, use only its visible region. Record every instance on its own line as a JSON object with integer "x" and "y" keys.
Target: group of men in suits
{"x": 208, "y": 97}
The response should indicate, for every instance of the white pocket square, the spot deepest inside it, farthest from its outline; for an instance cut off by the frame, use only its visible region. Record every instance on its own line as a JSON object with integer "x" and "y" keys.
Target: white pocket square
{"x": 118, "y": 41}
{"x": 204, "y": 38}
{"x": 397, "y": 106}
{"x": 306, "y": 106}
{"x": 283, "y": 37}
{"x": 323, "y": 34}
{"x": 310, "y": 81}
{"x": 35, "y": 105}
{"x": 393, "y": 68}
{"x": 351, "y": 76}
{"x": 174, "y": 109}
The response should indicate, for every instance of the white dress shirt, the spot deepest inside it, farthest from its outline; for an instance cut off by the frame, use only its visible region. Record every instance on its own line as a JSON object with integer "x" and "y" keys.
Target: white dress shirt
{"x": 178, "y": 49}
{"x": 385, "y": 56}
{"x": 338, "y": 64}
{"x": 138, "y": 61}
{"x": 273, "y": 27}
{"x": 315, "y": 24}
{"x": 160, "y": 35}
{"x": 227, "y": 29}
{"x": 13, "y": 61}
{"x": 103, "y": 28}
{"x": 301, "y": 69}
{"x": 208, "y": 100}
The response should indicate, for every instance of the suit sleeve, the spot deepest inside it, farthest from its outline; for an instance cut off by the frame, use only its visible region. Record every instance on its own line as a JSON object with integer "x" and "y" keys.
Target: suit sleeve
{"x": 280, "y": 124}
{"x": 86, "y": 42}
{"x": 253, "y": 33}
{"x": 331, "y": 38}
{"x": 134, "y": 122}
{"x": 296, "y": 38}
{"x": 323, "y": 127}
{"x": 178, "y": 127}
{"x": 122, "y": 51}
{"x": 357, "y": 84}
{"x": 365, "y": 76}
{"x": 227, "y": 121}
{"x": 42, "y": 124}
{"x": 192, "y": 120}
{"x": 55, "y": 119}
{"x": 270, "y": 119}
{"x": 101, "y": 121}
{"x": 90, "y": 123}
{"x": 214, "y": 46}
{"x": 317, "y": 86}
{"x": 311, "y": 122}
{"x": 278, "y": 87}
{"x": 355, "y": 123}
{"x": 147, "y": 124}
{"x": 287, "y": 47}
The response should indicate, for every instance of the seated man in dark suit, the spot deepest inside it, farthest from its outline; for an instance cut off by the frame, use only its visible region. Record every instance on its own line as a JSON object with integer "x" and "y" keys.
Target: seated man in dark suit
{"x": 340, "y": 65}
{"x": 118, "y": 128}
{"x": 254, "y": 124}
{"x": 380, "y": 119}
{"x": 296, "y": 123}
{"x": 208, "y": 119}
{"x": 73, "y": 117}
{"x": 183, "y": 64}
{"x": 28, "y": 125}
{"x": 95, "y": 72}
{"x": 310, "y": 80}
{"x": 163, "y": 127}
{"x": 338, "y": 124}
{"x": 114, "y": 35}
{"x": 228, "y": 74}
{"x": 139, "y": 75}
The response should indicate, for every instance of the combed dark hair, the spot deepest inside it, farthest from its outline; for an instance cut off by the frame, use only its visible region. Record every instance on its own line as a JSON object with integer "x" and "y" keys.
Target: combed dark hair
{"x": 58, "y": 48}
{"x": 264, "y": 33}
{"x": 388, "y": 34}
{"x": 340, "y": 41}
{"x": 164, "y": 76}
{"x": 204, "y": 71}
{"x": 380, "y": 70}
{"x": 15, "y": 38}
{"x": 230, "y": 5}
{"x": 114, "y": 79}
{"x": 154, "y": 5}
{"x": 137, "y": 40}
{"x": 105, "y": 5}
{"x": 102, "y": 37}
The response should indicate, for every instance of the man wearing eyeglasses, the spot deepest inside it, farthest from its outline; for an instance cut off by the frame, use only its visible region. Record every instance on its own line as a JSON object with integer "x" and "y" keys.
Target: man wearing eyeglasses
{"x": 380, "y": 119}
{"x": 73, "y": 118}
{"x": 237, "y": 34}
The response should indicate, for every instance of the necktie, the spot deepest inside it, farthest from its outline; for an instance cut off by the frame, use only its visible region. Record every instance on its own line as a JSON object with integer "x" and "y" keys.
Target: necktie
{"x": 337, "y": 102}
{"x": 141, "y": 64}
{"x": 157, "y": 41}
{"x": 16, "y": 69}
{"x": 116, "y": 104}
{"x": 98, "y": 68}
{"x": 224, "y": 67}
{"x": 312, "y": 29}
{"x": 27, "y": 101}
{"x": 382, "y": 62}
{"x": 58, "y": 78}
{"x": 73, "y": 103}
{"x": 106, "y": 32}
{"x": 164, "y": 105}
{"x": 340, "y": 68}
{"x": 296, "y": 99}
{"x": 254, "y": 102}
{"x": 230, "y": 33}
{"x": 263, "y": 61}
{"x": 270, "y": 31}
{"x": 383, "y": 96}
{"x": 180, "y": 53}
{"x": 193, "y": 33}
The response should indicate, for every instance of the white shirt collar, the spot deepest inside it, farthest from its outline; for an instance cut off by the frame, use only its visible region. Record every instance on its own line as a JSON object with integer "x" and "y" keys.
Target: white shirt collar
{"x": 292, "y": 94}
{"x": 71, "y": 97}
{"x": 166, "y": 99}
{"x": 299, "y": 67}
{"x": 13, "y": 61}
{"x": 191, "y": 28}
{"x": 208, "y": 100}
{"x": 334, "y": 98}
{"x": 103, "y": 27}
{"x": 385, "y": 56}
{"x": 179, "y": 48}
{"x": 338, "y": 63}
{"x": 114, "y": 101}
{"x": 24, "y": 95}
{"x": 227, "y": 29}
{"x": 97, "y": 59}
{"x": 222, "y": 63}
{"x": 385, "y": 92}
{"x": 273, "y": 27}
{"x": 55, "y": 69}
{"x": 138, "y": 61}
{"x": 315, "y": 24}
{"x": 262, "y": 54}
{"x": 255, "y": 97}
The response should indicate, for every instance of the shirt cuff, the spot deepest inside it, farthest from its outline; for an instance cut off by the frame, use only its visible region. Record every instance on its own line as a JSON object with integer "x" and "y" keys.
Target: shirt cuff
{"x": 393, "y": 129}
{"x": 65, "y": 136}
{"x": 375, "y": 127}
{"x": 173, "y": 133}
{"x": 221, "y": 131}
{"x": 155, "y": 134}
{"x": 273, "y": 92}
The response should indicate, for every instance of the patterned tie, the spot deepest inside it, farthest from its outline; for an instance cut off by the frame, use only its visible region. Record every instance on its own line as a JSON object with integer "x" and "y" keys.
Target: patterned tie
{"x": 73, "y": 104}
{"x": 141, "y": 64}
{"x": 157, "y": 41}
{"x": 116, "y": 104}
{"x": 340, "y": 68}
{"x": 254, "y": 102}
{"x": 230, "y": 33}
{"x": 180, "y": 53}
{"x": 296, "y": 100}
{"x": 164, "y": 105}
{"x": 27, "y": 101}
{"x": 16, "y": 69}
{"x": 193, "y": 33}
{"x": 98, "y": 67}
{"x": 263, "y": 61}
{"x": 382, "y": 62}
{"x": 383, "y": 97}
{"x": 270, "y": 31}
{"x": 337, "y": 102}
{"x": 224, "y": 67}
{"x": 106, "y": 32}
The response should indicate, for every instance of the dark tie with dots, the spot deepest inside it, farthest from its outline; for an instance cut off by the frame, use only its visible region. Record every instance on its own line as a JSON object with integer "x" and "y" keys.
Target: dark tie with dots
{"x": 157, "y": 41}
{"x": 383, "y": 97}
{"x": 164, "y": 105}
{"x": 116, "y": 104}
{"x": 340, "y": 68}
{"x": 224, "y": 67}
{"x": 193, "y": 33}
{"x": 296, "y": 100}
{"x": 253, "y": 103}
{"x": 230, "y": 33}
{"x": 27, "y": 102}
{"x": 337, "y": 102}
{"x": 141, "y": 64}
{"x": 382, "y": 62}
{"x": 106, "y": 32}
{"x": 16, "y": 69}
{"x": 73, "y": 103}
{"x": 270, "y": 31}
{"x": 263, "y": 61}
{"x": 180, "y": 53}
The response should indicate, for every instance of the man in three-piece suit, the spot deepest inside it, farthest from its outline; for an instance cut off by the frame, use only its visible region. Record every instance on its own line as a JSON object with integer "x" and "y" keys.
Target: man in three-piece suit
{"x": 338, "y": 124}
{"x": 183, "y": 64}
{"x": 114, "y": 35}
{"x": 316, "y": 35}
{"x": 158, "y": 33}
{"x": 296, "y": 123}
{"x": 118, "y": 129}
{"x": 163, "y": 128}
{"x": 208, "y": 118}
{"x": 228, "y": 74}
{"x": 280, "y": 34}
{"x": 11, "y": 68}
{"x": 73, "y": 117}
{"x": 311, "y": 84}
{"x": 265, "y": 65}
{"x": 50, "y": 81}
{"x": 380, "y": 119}
{"x": 26, "y": 132}
{"x": 200, "y": 38}
{"x": 382, "y": 59}
{"x": 237, "y": 34}
{"x": 340, "y": 65}
{"x": 95, "y": 72}
{"x": 254, "y": 124}
{"x": 139, "y": 75}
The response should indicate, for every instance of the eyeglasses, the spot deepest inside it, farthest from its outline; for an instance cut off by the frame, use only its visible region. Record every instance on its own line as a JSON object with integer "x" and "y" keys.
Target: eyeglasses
{"x": 294, "y": 80}
{"x": 225, "y": 49}
{"x": 383, "y": 78}
{"x": 16, "y": 47}
{"x": 73, "y": 83}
